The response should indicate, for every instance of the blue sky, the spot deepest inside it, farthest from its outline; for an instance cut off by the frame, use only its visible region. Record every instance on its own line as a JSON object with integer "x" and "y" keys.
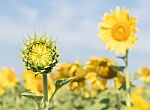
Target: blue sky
{"x": 73, "y": 23}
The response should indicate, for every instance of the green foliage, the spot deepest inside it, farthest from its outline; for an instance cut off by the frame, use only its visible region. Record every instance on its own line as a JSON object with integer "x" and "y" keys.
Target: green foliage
{"x": 110, "y": 99}
{"x": 38, "y": 99}
{"x": 12, "y": 101}
{"x": 59, "y": 84}
{"x": 32, "y": 96}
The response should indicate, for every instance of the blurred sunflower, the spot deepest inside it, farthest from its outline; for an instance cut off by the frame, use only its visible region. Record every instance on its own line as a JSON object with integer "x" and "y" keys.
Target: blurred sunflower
{"x": 28, "y": 77}
{"x": 38, "y": 86}
{"x": 139, "y": 103}
{"x": 101, "y": 66}
{"x": 97, "y": 83}
{"x": 118, "y": 30}
{"x": 68, "y": 70}
{"x": 8, "y": 78}
{"x": 34, "y": 84}
{"x": 119, "y": 80}
{"x": 145, "y": 74}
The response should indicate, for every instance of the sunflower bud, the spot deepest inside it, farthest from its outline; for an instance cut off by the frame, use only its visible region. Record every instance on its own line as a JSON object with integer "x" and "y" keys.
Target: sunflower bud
{"x": 40, "y": 54}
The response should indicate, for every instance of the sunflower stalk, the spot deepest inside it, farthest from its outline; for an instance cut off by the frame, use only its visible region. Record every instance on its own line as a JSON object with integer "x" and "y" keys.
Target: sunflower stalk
{"x": 45, "y": 91}
{"x": 128, "y": 102}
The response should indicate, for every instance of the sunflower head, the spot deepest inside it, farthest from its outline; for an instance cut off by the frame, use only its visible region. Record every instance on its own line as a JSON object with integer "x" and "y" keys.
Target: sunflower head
{"x": 145, "y": 71}
{"x": 101, "y": 66}
{"x": 67, "y": 70}
{"x": 118, "y": 30}
{"x": 8, "y": 78}
{"x": 96, "y": 82}
{"x": 145, "y": 74}
{"x": 40, "y": 54}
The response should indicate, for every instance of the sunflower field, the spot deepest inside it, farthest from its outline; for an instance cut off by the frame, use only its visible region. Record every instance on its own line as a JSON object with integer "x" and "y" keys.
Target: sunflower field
{"x": 98, "y": 84}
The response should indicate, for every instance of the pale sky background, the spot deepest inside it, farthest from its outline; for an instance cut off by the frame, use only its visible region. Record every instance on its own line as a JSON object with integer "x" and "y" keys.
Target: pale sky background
{"x": 73, "y": 23}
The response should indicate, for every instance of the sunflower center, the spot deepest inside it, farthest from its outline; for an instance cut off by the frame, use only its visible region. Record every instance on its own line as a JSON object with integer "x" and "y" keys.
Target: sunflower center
{"x": 121, "y": 31}
{"x": 40, "y": 55}
{"x": 104, "y": 70}
{"x": 11, "y": 77}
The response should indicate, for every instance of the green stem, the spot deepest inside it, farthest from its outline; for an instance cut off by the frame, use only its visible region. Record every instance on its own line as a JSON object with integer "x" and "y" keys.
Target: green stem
{"x": 118, "y": 102}
{"x": 52, "y": 95}
{"x": 128, "y": 102}
{"x": 45, "y": 91}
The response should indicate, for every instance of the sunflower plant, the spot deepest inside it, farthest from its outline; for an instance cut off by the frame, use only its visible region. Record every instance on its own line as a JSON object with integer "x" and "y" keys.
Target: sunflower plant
{"x": 117, "y": 30}
{"x": 40, "y": 55}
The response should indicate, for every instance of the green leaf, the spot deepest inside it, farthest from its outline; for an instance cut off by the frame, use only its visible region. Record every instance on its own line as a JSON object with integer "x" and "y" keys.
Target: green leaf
{"x": 118, "y": 68}
{"x": 32, "y": 96}
{"x": 61, "y": 83}
{"x": 121, "y": 57}
{"x": 106, "y": 101}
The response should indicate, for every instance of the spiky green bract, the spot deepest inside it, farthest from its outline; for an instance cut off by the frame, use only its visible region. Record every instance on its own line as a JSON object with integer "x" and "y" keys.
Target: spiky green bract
{"x": 40, "y": 54}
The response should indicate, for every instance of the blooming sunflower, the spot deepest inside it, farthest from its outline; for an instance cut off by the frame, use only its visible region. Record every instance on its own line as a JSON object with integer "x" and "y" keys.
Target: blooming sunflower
{"x": 68, "y": 70}
{"x": 40, "y": 54}
{"x": 145, "y": 74}
{"x": 97, "y": 83}
{"x": 8, "y": 78}
{"x": 102, "y": 66}
{"x": 118, "y": 30}
{"x": 28, "y": 76}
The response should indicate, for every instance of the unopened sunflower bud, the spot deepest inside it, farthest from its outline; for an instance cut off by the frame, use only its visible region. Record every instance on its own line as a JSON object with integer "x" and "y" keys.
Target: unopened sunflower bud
{"x": 40, "y": 54}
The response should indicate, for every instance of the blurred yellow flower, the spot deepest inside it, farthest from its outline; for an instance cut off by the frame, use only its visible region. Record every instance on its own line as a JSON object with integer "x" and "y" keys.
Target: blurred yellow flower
{"x": 34, "y": 84}
{"x": 139, "y": 103}
{"x": 97, "y": 83}
{"x": 38, "y": 86}
{"x": 145, "y": 74}
{"x": 68, "y": 70}
{"x": 119, "y": 80}
{"x": 63, "y": 70}
{"x": 28, "y": 77}
{"x": 118, "y": 30}
{"x": 101, "y": 66}
{"x": 8, "y": 78}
